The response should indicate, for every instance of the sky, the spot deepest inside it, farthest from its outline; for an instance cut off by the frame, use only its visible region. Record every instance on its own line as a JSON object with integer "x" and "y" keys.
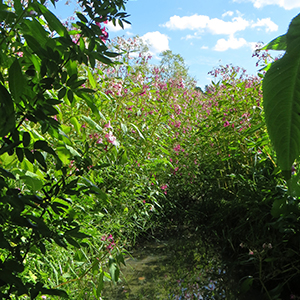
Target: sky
{"x": 206, "y": 33}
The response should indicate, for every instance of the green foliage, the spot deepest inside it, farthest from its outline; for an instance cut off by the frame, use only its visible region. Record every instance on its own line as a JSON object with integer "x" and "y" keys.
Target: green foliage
{"x": 96, "y": 149}
{"x": 39, "y": 73}
{"x": 174, "y": 66}
{"x": 281, "y": 98}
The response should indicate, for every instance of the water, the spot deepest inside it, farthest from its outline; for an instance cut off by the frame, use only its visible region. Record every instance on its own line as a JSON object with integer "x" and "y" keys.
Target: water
{"x": 174, "y": 268}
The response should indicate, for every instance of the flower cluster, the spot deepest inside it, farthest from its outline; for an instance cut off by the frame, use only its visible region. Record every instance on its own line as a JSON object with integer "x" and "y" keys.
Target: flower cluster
{"x": 109, "y": 240}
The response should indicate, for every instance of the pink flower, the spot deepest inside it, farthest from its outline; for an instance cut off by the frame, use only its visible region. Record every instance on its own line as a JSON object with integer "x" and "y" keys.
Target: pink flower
{"x": 111, "y": 138}
{"x": 164, "y": 187}
{"x": 107, "y": 125}
{"x": 176, "y": 148}
{"x": 111, "y": 246}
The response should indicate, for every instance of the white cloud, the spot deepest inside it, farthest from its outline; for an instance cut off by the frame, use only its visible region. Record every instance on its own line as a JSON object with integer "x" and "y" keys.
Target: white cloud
{"x": 227, "y": 13}
{"x": 270, "y": 25}
{"x": 156, "y": 41}
{"x": 129, "y": 33}
{"x": 286, "y": 4}
{"x": 198, "y": 22}
{"x": 230, "y": 43}
{"x": 116, "y": 28}
{"x": 201, "y": 23}
{"x": 192, "y": 22}
{"x": 190, "y": 36}
{"x": 217, "y": 26}
{"x": 204, "y": 47}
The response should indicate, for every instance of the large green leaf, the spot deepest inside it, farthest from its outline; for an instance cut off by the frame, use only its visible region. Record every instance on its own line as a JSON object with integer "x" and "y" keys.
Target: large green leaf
{"x": 53, "y": 22}
{"x": 32, "y": 180}
{"x": 281, "y": 93}
{"x": 278, "y": 43}
{"x": 7, "y": 114}
{"x": 17, "y": 82}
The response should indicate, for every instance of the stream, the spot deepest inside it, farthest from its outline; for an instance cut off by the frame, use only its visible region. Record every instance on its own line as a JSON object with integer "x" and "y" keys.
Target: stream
{"x": 176, "y": 268}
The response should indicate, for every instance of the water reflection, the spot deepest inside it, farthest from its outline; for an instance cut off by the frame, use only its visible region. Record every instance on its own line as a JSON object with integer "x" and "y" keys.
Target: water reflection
{"x": 174, "y": 268}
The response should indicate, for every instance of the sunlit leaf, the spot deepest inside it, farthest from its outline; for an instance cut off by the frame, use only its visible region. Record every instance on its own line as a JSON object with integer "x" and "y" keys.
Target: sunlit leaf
{"x": 278, "y": 43}
{"x": 17, "y": 82}
{"x": 281, "y": 92}
{"x": 7, "y": 115}
{"x": 53, "y": 22}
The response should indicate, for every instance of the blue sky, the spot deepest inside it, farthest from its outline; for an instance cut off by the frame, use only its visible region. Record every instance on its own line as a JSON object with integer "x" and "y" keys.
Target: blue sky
{"x": 205, "y": 33}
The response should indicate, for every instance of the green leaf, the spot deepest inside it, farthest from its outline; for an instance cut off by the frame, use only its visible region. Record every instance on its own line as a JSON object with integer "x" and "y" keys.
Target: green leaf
{"x": 81, "y": 17}
{"x": 279, "y": 207}
{"x": 100, "y": 284}
{"x": 281, "y": 94}
{"x": 43, "y": 145}
{"x": 91, "y": 78}
{"x": 102, "y": 195}
{"x": 112, "y": 54}
{"x": 124, "y": 128}
{"x": 140, "y": 134}
{"x": 92, "y": 60}
{"x": 63, "y": 154}
{"x": 26, "y": 139}
{"x": 20, "y": 154}
{"x": 71, "y": 241}
{"x": 40, "y": 158}
{"x": 92, "y": 123}
{"x": 75, "y": 233}
{"x": 32, "y": 180}
{"x": 7, "y": 114}
{"x": 70, "y": 96}
{"x": 29, "y": 155}
{"x": 77, "y": 84}
{"x": 278, "y": 43}
{"x": 42, "y": 247}
{"x": 53, "y": 22}
{"x": 71, "y": 80}
{"x": 247, "y": 283}
{"x": 54, "y": 292}
{"x": 33, "y": 27}
{"x": 72, "y": 68}
{"x": 16, "y": 80}
{"x": 62, "y": 92}
{"x": 7, "y": 174}
{"x": 35, "y": 46}
{"x": 76, "y": 124}
{"x": 72, "y": 150}
{"x": 102, "y": 59}
{"x": 113, "y": 270}
{"x": 18, "y": 6}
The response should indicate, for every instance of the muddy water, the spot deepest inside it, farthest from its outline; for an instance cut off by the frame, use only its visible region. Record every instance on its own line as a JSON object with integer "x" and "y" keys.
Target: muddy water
{"x": 173, "y": 268}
